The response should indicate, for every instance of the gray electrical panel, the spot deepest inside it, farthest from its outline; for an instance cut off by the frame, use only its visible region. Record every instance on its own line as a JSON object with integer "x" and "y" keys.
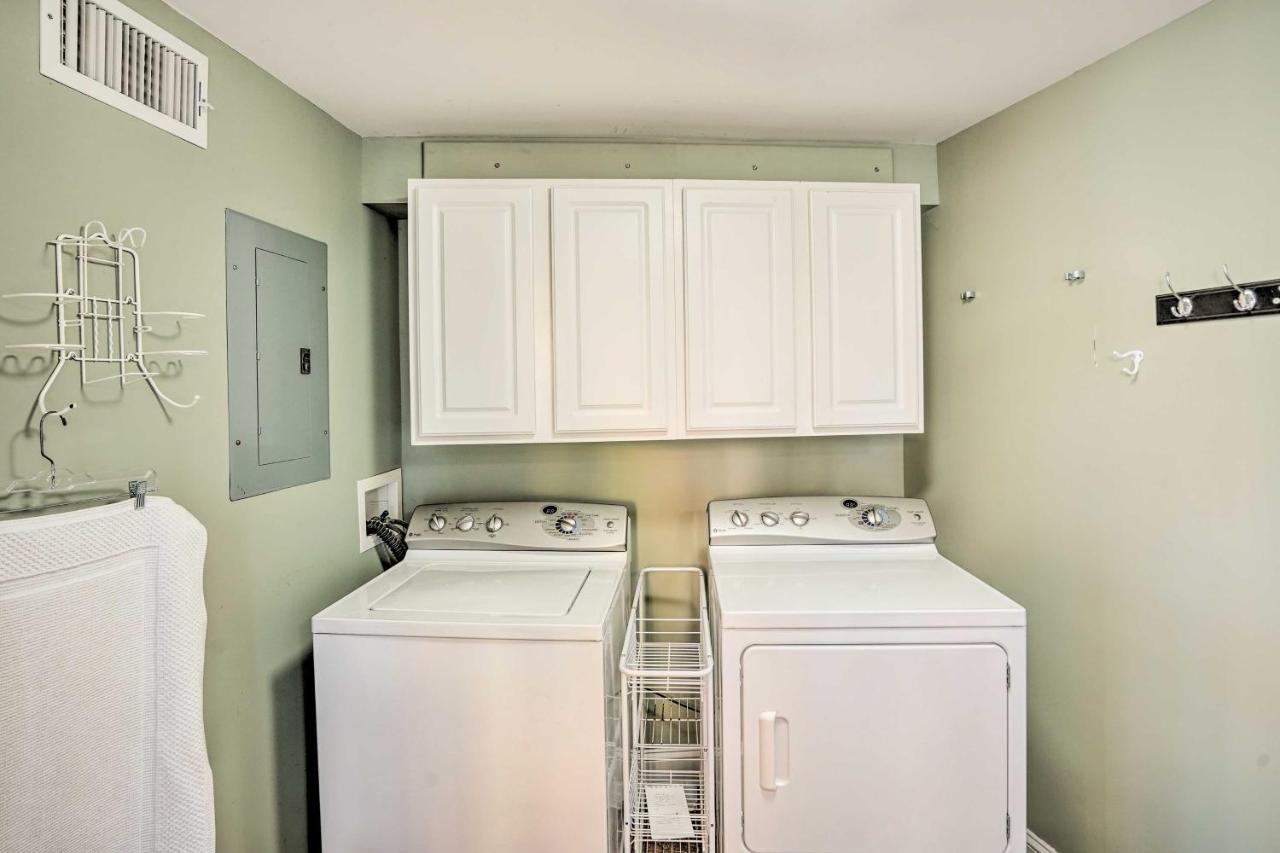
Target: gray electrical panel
{"x": 277, "y": 357}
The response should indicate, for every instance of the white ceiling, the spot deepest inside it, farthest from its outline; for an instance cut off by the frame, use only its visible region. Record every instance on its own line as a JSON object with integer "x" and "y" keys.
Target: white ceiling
{"x": 850, "y": 70}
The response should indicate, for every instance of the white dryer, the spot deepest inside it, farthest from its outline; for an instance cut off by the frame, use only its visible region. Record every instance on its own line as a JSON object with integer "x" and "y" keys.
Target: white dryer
{"x": 873, "y": 693}
{"x": 467, "y": 699}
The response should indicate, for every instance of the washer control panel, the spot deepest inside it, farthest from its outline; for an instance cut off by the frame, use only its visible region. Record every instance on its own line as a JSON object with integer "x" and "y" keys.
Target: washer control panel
{"x": 519, "y": 526}
{"x": 824, "y": 520}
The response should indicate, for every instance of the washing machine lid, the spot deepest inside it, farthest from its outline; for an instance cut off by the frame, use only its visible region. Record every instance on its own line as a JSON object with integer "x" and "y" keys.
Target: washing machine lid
{"x": 866, "y": 586}
{"x": 471, "y": 596}
{"x": 491, "y": 591}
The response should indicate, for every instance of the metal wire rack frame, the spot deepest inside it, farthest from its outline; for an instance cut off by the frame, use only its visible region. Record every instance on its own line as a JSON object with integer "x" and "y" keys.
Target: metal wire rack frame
{"x": 102, "y": 329}
{"x": 668, "y": 720}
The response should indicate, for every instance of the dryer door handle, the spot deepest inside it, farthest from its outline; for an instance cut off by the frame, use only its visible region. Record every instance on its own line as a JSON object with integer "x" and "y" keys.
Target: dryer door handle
{"x": 769, "y": 778}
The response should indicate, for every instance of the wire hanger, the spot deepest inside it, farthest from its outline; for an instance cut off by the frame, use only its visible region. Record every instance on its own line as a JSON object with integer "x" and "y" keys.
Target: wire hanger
{"x": 62, "y": 487}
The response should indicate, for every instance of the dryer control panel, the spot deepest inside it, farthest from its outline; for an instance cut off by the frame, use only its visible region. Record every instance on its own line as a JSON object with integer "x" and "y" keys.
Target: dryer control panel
{"x": 518, "y": 526}
{"x": 825, "y": 520}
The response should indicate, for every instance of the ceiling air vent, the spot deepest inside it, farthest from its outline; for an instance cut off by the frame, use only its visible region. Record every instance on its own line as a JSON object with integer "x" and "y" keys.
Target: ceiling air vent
{"x": 108, "y": 51}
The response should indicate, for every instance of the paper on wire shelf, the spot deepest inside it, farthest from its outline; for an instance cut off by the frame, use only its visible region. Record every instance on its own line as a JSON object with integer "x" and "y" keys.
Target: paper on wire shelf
{"x": 668, "y": 812}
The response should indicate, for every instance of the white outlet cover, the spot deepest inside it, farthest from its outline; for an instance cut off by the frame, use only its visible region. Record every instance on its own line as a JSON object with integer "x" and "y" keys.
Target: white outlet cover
{"x": 373, "y": 495}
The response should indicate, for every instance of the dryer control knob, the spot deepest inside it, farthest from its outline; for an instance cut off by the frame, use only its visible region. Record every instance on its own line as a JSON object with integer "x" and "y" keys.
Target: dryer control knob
{"x": 799, "y": 518}
{"x": 770, "y": 519}
{"x": 874, "y": 516}
{"x": 436, "y": 522}
{"x": 494, "y": 524}
{"x": 739, "y": 518}
{"x": 466, "y": 523}
{"x": 567, "y": 524}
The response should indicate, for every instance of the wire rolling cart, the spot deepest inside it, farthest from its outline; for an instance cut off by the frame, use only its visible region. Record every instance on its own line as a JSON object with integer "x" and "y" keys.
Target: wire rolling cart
{"x": 668, "y": 721}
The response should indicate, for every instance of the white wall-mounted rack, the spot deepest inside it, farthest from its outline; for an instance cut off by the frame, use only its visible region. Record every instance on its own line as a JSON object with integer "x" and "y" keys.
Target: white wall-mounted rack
{"x": 101, "y": 329}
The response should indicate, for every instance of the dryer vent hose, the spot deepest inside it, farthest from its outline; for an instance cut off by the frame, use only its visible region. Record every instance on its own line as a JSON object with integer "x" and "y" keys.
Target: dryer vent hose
{"x": 390, "y": 533}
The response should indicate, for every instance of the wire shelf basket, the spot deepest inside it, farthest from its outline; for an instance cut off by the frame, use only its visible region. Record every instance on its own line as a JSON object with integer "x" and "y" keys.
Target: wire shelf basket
{"x": 668, "y": 720}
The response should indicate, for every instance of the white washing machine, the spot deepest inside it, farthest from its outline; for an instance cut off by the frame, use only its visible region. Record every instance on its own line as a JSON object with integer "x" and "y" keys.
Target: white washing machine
{"x": 873, "y": 693}
{"x": 467, "y": 699}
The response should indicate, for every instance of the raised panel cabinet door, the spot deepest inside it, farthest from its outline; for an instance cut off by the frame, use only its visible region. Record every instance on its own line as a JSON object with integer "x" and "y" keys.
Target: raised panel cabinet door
{"x": 866, "y": 307}
{"x": 885, "y": 748}
{"x": 739, "y": 308}
{"x": 471, "y": 311}
{"x": 611, "y": 307}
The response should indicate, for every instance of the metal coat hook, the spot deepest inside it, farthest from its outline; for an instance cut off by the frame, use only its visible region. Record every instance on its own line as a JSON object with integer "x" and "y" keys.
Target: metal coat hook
{"x": 1183, "y": 308}
{"x": 1135, "y": 357}
{"x": 60, "y": 414}
{"x": 1246, "y": 299}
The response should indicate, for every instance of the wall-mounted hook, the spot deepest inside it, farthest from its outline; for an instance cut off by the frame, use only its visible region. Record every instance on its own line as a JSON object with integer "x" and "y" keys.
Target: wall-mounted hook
{"x": 1075, "y": 276}
{"x": 968, "y": 296}
{"x": 1183, "y": 308}
{"x": 1246, "y": 299}
{"x": 1135, "y": 357}
{"x": 60, "y": 414}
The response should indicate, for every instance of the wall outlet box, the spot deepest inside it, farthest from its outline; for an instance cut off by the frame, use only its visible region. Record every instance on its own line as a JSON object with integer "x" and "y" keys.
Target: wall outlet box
{"x": 375, "y": 495}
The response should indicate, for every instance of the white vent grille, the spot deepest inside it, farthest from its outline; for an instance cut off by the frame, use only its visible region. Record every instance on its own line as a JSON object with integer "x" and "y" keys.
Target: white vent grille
{"x": 106, "y": 50}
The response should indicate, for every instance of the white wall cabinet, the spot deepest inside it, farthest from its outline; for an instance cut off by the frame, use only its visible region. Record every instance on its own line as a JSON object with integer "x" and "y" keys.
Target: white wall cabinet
{"x": 612, "y": 307}
{"x": 472, "y": 311}
{"x": 866, "y": 292}
{"x": 599, "y": 310}
{"x": 739, "y": 307}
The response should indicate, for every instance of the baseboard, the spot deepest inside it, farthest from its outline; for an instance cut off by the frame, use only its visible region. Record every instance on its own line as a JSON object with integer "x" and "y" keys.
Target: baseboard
{"x": 1035, "y": 844}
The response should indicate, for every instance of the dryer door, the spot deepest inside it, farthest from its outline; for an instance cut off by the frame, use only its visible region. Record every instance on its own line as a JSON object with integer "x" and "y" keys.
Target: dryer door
{"x": 885, "y": 748}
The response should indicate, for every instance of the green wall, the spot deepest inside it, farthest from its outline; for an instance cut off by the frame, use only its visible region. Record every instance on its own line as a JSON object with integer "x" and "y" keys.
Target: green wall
{"x": 667, "y": 484}
{"x": 1135, "y": 520}
{"x": 273, "y": 560}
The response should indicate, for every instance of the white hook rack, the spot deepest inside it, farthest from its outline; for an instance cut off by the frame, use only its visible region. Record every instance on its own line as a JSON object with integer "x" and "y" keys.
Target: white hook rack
{"x": 103, "y": 332}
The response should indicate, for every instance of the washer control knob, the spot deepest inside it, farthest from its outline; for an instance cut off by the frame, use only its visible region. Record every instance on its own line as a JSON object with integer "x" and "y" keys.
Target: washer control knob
{"x": 436, "y": 522}
{"x": 494, "y": 524}
{"x": 799, "y": 518}
{"x": 739, "y": 518}
{"x": 874, "y": 516}
{"x": 567, "y": 524}
{"x": 465, "y": 523}
{"x": 770, "y": 519}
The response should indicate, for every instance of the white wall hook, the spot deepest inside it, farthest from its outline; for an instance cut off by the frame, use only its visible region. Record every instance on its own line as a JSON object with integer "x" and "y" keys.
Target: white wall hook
{"x": 1135, "y": 356}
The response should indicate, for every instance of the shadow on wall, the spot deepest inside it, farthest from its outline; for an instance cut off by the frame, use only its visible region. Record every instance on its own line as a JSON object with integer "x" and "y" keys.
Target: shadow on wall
{"x": 293, "y": 694}
{"x": 384, "y": 310}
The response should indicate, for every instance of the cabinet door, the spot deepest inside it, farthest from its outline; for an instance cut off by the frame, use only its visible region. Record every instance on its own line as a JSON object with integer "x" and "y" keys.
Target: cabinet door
{"x": 611, "y": 307}
{"x": 740, "y": 308}
{"x": 471, "y": 311}
{"x": 866, "y": 307}
{"x": 886, "y": 748}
